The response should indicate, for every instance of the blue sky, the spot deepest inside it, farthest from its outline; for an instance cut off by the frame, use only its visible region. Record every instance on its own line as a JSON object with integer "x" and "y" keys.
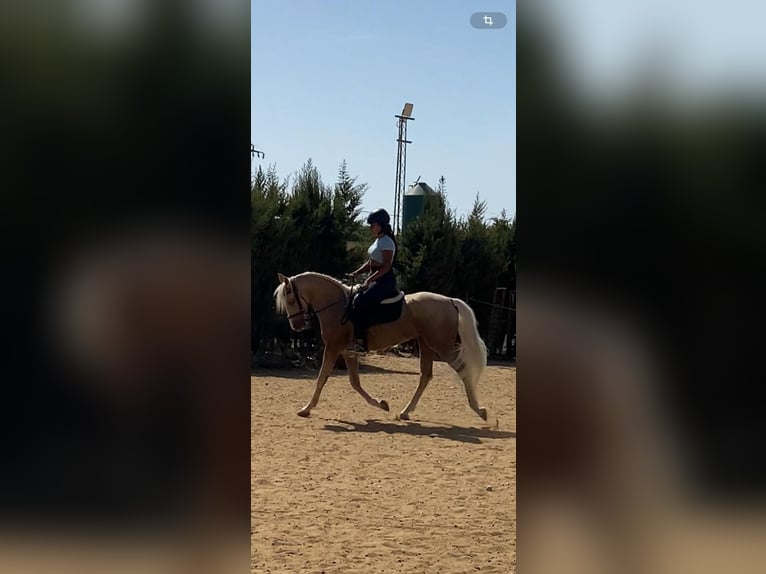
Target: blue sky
{"x": 328, "y": 76}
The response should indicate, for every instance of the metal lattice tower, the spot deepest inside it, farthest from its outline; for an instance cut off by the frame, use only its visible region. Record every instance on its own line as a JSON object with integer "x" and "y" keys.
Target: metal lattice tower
{"x": 401, "y": 164}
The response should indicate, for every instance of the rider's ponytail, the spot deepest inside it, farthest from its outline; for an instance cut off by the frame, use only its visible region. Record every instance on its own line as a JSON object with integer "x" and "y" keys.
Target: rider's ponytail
{"x": 386, "y": 228}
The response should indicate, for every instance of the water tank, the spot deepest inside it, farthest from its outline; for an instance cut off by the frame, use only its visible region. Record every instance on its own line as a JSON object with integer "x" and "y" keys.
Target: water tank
{"x": 414, "y": 202}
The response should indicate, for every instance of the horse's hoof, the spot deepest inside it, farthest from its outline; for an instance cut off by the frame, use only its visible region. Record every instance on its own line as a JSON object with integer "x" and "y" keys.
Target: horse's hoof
{"x": 384, "y": 405}
{"x": 483, "y": 413}
{"x": 403, "y": 416}
{"x": 303, "y": 413}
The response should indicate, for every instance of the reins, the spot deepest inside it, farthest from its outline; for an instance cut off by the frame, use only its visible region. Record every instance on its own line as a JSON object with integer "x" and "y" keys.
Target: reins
{"x": 308, "y": 310}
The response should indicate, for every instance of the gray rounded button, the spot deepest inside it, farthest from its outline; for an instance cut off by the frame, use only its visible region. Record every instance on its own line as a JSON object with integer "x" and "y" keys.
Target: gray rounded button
{"x": 488, "y": 20}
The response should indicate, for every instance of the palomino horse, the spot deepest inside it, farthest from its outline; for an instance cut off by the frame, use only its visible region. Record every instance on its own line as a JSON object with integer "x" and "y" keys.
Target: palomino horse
{"x": 444, "y": 327}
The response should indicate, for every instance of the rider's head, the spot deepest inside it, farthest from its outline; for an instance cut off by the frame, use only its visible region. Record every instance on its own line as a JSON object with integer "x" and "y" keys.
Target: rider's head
{"x": 380, "y": 218}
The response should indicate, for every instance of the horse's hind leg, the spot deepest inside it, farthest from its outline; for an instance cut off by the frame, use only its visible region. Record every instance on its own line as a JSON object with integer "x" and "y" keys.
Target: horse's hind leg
{"x": 469, "y": 385}
{"x": 426, "y": 373}
{"x": 328, "y": 362}
{"x": 473, "y": 401}
{"x": 352, "y": 362}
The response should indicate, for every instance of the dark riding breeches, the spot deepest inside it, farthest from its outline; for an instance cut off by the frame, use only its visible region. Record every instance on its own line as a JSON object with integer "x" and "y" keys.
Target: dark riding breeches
{"x": 383, "y": 288}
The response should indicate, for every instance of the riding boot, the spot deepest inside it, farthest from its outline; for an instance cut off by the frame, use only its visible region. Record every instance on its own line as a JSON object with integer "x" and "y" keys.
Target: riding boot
{"x": 359, "y": 344}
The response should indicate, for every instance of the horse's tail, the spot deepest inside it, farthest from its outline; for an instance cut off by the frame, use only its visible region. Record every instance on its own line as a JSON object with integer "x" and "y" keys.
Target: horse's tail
{"x": 472, "y": 352}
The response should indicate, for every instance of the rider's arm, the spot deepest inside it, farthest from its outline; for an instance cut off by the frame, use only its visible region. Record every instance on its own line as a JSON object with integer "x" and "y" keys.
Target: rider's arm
{"x": 388, "y": 258}
{"x": 365, "y": 266}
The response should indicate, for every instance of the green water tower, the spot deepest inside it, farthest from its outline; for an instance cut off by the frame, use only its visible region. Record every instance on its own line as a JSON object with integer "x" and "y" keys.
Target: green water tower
{"x": 414, "y": 202}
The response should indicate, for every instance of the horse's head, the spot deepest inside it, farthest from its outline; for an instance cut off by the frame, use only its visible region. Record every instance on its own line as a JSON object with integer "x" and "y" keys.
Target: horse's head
{"x": 288, "y": 301}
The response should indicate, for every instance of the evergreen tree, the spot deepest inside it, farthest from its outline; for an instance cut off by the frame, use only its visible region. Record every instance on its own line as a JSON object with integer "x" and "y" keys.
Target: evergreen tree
{"x": 430, "y": 249}
{"x": 347, "y": 201}
{"x": 441, "y": 186}
{"x": 348, "y": 194}
{"x": 269, "y": 234}
{"x": 503, "y": 238}
{"x": 480, "y": 263}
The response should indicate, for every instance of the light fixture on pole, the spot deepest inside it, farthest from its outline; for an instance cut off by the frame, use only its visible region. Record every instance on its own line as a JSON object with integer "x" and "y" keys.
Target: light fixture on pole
{"x": 257, "y": 153}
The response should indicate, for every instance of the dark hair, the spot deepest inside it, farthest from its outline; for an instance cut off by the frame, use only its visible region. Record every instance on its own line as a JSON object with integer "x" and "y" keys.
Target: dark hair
{"x": 379, "y": 216}
{"x": 386, "y": 228}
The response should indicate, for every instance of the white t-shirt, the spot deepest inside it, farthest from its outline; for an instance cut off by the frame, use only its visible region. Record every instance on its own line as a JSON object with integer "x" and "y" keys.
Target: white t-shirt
{"x": 381, "y": 244}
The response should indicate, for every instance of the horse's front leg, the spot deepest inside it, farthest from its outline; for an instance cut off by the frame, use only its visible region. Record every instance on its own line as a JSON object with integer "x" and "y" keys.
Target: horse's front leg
{"x": 328, "y": 362}
{"x": 352, "y": 362}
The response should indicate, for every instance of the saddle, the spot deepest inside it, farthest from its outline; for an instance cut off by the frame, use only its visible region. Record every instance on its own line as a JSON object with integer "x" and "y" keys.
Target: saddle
{"x": 387, "y": 311}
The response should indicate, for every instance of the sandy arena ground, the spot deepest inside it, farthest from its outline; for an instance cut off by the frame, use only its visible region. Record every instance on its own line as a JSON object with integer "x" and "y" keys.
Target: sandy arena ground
{"x": 353, "y": 490}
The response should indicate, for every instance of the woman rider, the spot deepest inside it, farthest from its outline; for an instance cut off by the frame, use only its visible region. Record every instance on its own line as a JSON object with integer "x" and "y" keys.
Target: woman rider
{"x": 381, "y": 283}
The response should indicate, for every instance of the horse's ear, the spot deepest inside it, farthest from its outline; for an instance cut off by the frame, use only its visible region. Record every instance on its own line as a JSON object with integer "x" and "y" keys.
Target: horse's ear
{"x": 282, "y": 278}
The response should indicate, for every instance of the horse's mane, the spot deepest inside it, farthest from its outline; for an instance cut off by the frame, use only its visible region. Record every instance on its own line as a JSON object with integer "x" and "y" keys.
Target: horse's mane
{"x": 279, "y": 292}
{"x": 279, "y": 298}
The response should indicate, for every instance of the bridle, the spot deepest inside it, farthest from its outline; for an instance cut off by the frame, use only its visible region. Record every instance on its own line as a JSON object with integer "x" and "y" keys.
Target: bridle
{"x": 298, "y": 297}
{"x": 307, "y": 311}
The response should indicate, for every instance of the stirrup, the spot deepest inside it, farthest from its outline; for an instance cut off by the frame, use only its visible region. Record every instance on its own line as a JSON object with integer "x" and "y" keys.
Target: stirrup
{"x": 357, "y": 347}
